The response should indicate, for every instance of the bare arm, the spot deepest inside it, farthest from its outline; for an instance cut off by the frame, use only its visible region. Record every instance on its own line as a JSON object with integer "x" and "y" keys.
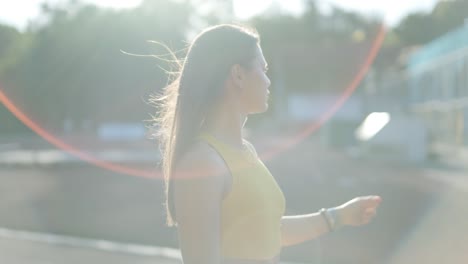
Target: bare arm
{"x": 198, "y": 203}
{"x": 300, "y": 228}
{"x": 296, "y": 229}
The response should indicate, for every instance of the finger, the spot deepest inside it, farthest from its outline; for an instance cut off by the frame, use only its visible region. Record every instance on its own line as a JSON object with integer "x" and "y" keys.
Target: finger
{"x": 372, "y": 201}
{"x": 366, "y": 218}
{"x": 375, "y": 198}
{"x": 371, "y": 213}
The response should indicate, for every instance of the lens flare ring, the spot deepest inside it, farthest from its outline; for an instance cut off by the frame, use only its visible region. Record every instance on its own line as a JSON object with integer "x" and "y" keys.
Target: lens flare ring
{"x": 266, "y": 155}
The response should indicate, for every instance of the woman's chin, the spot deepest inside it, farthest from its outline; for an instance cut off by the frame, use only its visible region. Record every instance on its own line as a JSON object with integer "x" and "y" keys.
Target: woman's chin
{"x": 260, "y": 110}
{"x": 264, "y": 109}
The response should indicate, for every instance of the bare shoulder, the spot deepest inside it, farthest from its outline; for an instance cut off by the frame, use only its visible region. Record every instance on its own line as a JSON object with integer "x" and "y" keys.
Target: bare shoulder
{"x": 201, "y": 169}
{"x": 201, "y": 156}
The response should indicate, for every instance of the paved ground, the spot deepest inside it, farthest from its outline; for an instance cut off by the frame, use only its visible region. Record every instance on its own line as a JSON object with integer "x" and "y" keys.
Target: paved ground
{"x": 421, "y": 220}
{"x": 15, "y": 251}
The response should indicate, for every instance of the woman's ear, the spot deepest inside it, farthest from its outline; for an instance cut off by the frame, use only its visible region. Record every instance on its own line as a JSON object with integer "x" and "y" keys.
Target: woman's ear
{"x": 237, "y": 76}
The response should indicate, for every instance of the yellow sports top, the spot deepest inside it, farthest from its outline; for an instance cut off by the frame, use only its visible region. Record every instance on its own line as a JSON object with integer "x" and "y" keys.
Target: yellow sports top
{"x": 252, "y": 211}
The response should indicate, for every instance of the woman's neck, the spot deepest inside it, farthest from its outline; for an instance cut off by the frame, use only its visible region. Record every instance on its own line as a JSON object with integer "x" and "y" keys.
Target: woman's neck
{"x": 226, "y": 126}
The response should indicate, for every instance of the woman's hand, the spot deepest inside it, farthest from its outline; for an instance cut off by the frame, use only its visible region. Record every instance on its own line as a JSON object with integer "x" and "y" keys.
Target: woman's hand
{"x": 358, "y": 211}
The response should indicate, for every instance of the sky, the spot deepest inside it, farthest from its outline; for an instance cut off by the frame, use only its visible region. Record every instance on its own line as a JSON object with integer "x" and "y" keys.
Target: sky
{"x": 18, "y": 12}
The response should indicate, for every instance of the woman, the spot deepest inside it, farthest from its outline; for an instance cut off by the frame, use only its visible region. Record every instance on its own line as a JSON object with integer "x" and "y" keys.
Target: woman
{"x": 225, "y": 203}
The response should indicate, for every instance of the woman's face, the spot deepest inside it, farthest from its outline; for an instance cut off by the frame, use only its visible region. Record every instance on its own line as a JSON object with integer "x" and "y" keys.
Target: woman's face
{"x": 254, "y": 89}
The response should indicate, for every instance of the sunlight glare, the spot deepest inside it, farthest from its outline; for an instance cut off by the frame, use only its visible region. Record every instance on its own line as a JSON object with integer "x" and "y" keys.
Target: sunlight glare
{"x": 116, "y": 4}
{"x": 245, "y": 9}
{"x": 372, "y": 125}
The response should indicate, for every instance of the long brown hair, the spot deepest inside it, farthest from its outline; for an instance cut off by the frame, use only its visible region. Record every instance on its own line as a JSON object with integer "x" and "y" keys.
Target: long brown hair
{"x": 198, "y": 86}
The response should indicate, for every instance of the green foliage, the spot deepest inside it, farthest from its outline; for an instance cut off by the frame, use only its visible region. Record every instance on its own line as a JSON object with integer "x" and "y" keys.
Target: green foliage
{"x": 72, "y": 66}
{"x": 420, "y": 28}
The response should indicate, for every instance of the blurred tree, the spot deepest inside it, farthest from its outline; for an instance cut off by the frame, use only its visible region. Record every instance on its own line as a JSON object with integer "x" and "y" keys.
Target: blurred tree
{"x": 75, "y": 69}
{"x": 317, "y": 52}
{"x": 448, "y": 15}
{"x": 13, "y": 45}
{"x": 419, "y": 28}
{"x": 8, "y": 36}
{"x": 416, "y": 28}
{"x": 69, "y": 65}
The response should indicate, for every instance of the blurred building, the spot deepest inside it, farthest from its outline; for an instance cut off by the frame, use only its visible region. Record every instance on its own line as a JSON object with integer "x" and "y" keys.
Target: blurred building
{"x": 437, "y": 79}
